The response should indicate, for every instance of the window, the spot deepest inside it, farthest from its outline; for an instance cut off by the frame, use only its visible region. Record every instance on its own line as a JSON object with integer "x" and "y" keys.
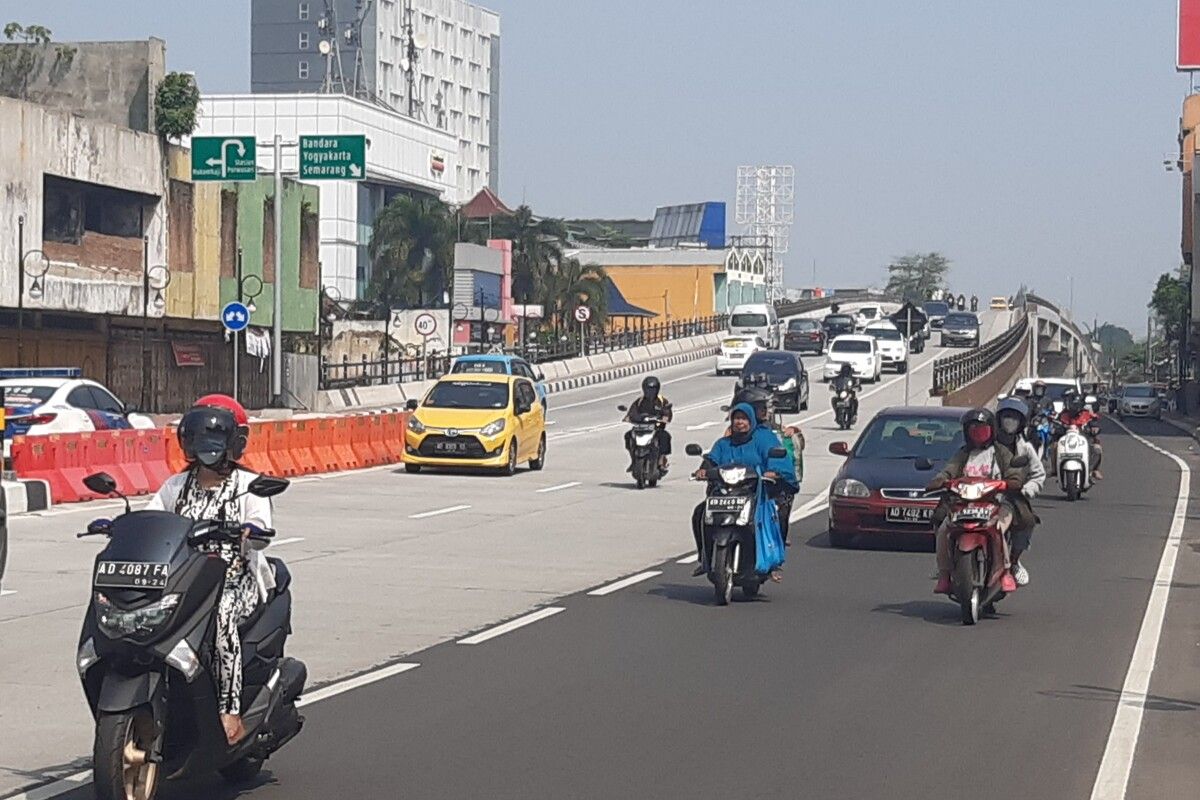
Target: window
{"x": 81, "y": 397}
{"x": 303, "y": 40}
{"x": 852, "y": 346}
{"x": 523, "y": 369}
{"x": 303, "y": 11}
{"x": 910, "y": 438}
{"x": 302, "y": 71}
{"x": 468, "y": 394}
{"x": 106, "y": 402}
{"x": 525, "y": 394}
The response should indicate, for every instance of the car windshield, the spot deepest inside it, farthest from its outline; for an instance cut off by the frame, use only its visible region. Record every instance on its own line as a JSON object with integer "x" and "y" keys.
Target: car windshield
{"x": 802, "y": 325}
{"x": 961, "y": 320}
{"x": 748, "y": 321}
{"x": 468, "y": 394}
{"x": 481, "y": 367}
{"x": 910, "y": 437}
{"x": 838, "y": 319}
{"x": 851, "y": 346}
{"x": 891, "y": 334}
{"x": 1139, "y": 391}
{"x": 867, "y": 313}
{"x": 936, "y": 309}
{"x": 771, "y": 364}
{"x": 20, "y": 395}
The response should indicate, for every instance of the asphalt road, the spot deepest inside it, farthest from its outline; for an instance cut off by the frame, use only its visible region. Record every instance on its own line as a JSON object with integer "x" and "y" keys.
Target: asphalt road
{"x": 387, "y": 565}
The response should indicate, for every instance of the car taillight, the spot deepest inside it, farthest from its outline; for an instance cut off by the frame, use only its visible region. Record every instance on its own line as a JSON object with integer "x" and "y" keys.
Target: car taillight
{"x": 35, "y": 419}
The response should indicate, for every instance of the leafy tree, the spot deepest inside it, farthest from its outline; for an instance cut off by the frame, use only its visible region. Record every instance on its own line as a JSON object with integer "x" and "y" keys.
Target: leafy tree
{"x": 1170, "y": 303}
{"x": 24, "y": 58}
{"x": 1113, "y": 338}
{"x": 175, "y": 104}
{"x": 569, "y": 285}
{"x": 412, "y": 250}
{"x": 917, "y": 275}
{"x": 537, "y": 250}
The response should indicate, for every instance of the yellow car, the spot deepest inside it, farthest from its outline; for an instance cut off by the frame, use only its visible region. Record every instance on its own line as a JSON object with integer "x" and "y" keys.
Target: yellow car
{"x": 476, "y": 420}
{"x": 999, "y": 303}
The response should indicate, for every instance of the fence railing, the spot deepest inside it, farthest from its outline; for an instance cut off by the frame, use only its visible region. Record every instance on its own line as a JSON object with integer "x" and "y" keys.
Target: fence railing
{"x": 954, "y": 372}
{"x": 408, "y": 367}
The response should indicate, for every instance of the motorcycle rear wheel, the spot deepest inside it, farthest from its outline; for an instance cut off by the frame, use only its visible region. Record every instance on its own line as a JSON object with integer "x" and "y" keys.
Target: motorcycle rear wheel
{"x": 119, "y": 767}
{"x": 722, "y": 571}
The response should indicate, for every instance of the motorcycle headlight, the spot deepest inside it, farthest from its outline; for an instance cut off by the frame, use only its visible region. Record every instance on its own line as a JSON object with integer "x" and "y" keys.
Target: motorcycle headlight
{"x": 970, "y": 491}
{"x": 415, "y": 425}
{"x": 493, "y": 428}
{"x": 843, "y": 394}
{"x": 116, "y": 623}
{"x": 848, "y": 487}
{"x": 788, "y": 385}
{"x": 733, "y": 475}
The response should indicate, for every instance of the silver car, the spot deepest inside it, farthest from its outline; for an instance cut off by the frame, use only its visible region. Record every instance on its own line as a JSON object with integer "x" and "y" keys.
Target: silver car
{"x": 1140, "y": 400}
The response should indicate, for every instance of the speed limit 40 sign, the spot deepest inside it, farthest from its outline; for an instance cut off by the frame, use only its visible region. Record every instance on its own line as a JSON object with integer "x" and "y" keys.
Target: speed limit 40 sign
{"x": 583, "y": 314}
{"x": 425, "y": 324}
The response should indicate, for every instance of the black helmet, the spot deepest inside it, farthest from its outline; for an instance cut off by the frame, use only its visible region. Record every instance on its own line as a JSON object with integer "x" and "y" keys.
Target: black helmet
{"x": 1039, "y": 389}
{"x": 1073, "y": 400}
{"x": 211, "y": 436}
{"x": 1010, "y": 408}
{"x": 650, "y": 387}
{"x": 761, "y": 400}
{"x": 846, "y": 371}
{"x": 978, "y": 418}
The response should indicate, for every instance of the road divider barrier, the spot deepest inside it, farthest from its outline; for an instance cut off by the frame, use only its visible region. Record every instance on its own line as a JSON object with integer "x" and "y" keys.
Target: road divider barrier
{"x": 140, "y": 461}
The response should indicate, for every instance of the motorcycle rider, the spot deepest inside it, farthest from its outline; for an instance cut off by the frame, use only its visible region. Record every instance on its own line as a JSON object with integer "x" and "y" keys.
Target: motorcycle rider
{"x": 762, "y": 401}
{"x": 980, "y": 457}
{"x": 213, "y": 436}
{"x": 655, "y": 405}
{"x": 1076, "y": 412}
{"x": 748, "y": 443}
{"x": 846, "y": 382}
{"x": 1012, "y": 423}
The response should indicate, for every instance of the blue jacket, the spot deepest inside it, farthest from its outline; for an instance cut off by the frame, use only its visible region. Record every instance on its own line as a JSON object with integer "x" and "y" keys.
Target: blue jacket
{"x": 754, "y": 452}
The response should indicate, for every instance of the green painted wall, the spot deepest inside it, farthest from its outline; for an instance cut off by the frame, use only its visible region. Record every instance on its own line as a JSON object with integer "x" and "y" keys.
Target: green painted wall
{"x": 299, "y": 304}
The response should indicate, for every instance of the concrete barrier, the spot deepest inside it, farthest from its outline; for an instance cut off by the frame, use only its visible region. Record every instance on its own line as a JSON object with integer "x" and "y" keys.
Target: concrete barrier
{"x": 621, "y": 357}
{"x": 576, "y": 366}
{"x": 674, "y": 346}
{"x": 415, "y": 390}
{"x": 23, "y": 496}
{"x": 551, "y": 369}
{"x": 600, "y": 361}
{"x": 656, "y": 350}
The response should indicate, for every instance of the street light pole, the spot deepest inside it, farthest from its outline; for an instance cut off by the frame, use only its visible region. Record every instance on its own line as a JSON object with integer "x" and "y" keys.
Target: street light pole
{"x": 277, "y": 310}
{"x": 20, "y": 290}
{"x": 145, "y": 313}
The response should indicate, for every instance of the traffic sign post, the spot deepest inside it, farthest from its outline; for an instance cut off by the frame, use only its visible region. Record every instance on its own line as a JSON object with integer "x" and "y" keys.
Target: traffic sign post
{"x": 333, "y": 158}
{"x": 425, "y": 325}
{"x": 235, "y": 317}
{"x": 224, "y": 158}
{"x": 582, "y": 315}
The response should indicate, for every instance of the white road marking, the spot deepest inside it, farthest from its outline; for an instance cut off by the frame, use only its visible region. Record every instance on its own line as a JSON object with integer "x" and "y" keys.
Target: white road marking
{"x": 7, "y": 592}
{"x": 621, "y": 584}
{"x": 551, "y": 422}
{"x": 816, "y": 505}
{"x": 438, "y": 512}
{"x": 512, "y": 625}
{"x": 871, "y": 393}
{"x": 703, "y": 425}
{"x": 282, "y": 542}
{"x": 560, "y": 486}
{"x": 692, "y": 559}
{"x": 1113, "y": 778}
{"x": 341, "y": 687}
{"x": 67, "y": 784}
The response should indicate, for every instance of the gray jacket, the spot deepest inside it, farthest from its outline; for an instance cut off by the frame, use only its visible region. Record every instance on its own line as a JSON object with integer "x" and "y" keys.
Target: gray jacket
{"x": 1036, "y": 477}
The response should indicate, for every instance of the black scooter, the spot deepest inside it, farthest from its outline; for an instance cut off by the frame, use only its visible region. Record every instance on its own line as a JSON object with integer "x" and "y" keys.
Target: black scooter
{"x": 647, "y": 461}
{"x": 843, "y": 407}
{"x": 147, "y": 649}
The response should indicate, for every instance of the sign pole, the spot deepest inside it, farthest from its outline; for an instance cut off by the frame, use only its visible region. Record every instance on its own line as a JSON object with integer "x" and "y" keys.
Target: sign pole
{"x": 277, "y": 311}
{"x": 908, "y": 334}
{"x": 237, "y": 334}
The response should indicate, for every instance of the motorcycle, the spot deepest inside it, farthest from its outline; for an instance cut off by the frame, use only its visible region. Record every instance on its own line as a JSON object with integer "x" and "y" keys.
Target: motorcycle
{"x": 647, "y": 461}
{"x": 962, "y": 302}
{"x": 843, "y": 405}
{"x": 976, "y": 545}
{"x": 1041, "y": 431}
{"x": 1073, "y": 466}
{"x": 729, "y": 527}
{"x": 974, "y": 303}
{"x": 147, "y": 650}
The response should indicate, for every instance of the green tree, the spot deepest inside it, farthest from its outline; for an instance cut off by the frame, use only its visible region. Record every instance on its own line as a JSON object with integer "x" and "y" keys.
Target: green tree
{"x": 24, "y": 58}
{"x": 175, "y": 104}
{"x": 1170, "y": 303}
{"x": 537, "y": 250}
{"x": 917, "y": 275}
{"x": 569, "y": 285}
{"x": 412, "y": 252}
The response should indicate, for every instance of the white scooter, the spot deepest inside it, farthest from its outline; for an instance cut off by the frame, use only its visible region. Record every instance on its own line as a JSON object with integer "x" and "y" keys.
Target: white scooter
{"x": 1073, "y": 466}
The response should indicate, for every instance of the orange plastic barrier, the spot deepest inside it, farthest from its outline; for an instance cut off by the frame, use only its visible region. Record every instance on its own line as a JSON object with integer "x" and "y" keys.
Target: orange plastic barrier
{"x": 72, "y": 457}
{"x": 35, "y": 458}
{"x": 323, "y": 446}
{"x": 393, "y": 440}
{"x": 360, "y": 441}
{"x": 176, "y": 461}
{"x": 256, "y": 457}
{"x": 154, "y": 446}
{"x": 279, "y": 444}
{"x": 346, "y": 456}
{"x": 376, "y": 433}
{"x": 303, "y": 432}
{"x": 130, "y": 462}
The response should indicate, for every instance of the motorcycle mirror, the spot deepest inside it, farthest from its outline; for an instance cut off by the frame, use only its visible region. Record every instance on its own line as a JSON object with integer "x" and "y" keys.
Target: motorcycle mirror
{"x": 839, "y": 449}
{"x": 725, "y": 409}
{"x": 923, "y": 464}
{"x": 267, "y": 486}
{"x": 777, "y": 452}
{"x": 622, "y": 408}
{"x": 694, "y": 450}
{"x": 412, "y": 405}
{"x": 101, "y": 483}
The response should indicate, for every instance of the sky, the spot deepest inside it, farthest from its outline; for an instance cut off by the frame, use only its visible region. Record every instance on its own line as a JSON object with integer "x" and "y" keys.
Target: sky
{"x": 1024, "y": 139}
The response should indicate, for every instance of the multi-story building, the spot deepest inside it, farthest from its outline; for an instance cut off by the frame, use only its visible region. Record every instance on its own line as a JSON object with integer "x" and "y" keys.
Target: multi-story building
{"x": 451, "y": 81}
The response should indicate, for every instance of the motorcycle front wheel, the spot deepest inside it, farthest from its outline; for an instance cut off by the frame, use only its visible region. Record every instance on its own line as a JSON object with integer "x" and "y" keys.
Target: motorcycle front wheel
{"x": 1071, "y": 484}
{"x": 120, "y": 769}
{"x": 966, "y": 589}
{"x": 722, "y": 572}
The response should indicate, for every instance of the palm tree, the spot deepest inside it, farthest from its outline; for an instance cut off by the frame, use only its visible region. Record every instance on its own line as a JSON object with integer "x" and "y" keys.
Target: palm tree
{"x": 537, "y": 248}
{"x": 569, "y": 285}
{"x": 412, "y": 251}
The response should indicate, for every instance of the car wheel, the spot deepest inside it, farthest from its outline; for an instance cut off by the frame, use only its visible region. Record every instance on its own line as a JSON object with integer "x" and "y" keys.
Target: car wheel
{"x": 510, "y": 468}
{"x": 412, "y": 469}
{"x": 539, "y": 462}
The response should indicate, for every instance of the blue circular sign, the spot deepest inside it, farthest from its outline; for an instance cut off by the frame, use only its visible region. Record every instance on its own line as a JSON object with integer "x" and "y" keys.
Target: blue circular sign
{"x": 235, "y": 316}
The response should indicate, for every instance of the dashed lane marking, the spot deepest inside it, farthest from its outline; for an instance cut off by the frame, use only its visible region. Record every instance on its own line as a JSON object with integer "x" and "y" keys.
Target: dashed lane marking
{"x": 512, "y": 625}
{"x": 617, "y": 586}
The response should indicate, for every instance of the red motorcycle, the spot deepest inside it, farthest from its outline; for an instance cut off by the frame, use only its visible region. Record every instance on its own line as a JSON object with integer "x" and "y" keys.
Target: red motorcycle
{"x": 976, "y": 545}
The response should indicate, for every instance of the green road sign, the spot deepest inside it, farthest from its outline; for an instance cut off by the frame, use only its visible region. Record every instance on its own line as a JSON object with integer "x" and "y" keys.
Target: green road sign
{"x": 333, "y": 158}
{"x": 224, "y": 158}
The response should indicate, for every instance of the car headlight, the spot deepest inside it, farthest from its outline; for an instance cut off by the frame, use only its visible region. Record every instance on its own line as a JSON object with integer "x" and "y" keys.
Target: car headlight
{"x": 415, "y": 425}
{"x": 848, "y": 487}
{"x": 788, "y": 385}
{"x": 493, "y": 428}
{"x": 117, "y": 623}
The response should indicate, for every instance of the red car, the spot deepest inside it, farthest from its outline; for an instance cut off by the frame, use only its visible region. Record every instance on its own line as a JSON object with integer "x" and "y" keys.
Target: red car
{"x": 879, "y": 493}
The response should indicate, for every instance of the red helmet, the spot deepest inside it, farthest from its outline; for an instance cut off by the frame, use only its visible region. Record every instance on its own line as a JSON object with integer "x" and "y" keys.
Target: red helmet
{"x": 226, "y": 402}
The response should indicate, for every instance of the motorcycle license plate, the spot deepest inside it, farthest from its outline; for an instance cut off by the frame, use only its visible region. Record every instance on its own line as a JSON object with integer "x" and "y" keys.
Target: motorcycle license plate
{"x": 909, "y": 515}
{"x": 131, "y": 575}
{"x": 726, "y": 503}
{"x": 973, "y": 514}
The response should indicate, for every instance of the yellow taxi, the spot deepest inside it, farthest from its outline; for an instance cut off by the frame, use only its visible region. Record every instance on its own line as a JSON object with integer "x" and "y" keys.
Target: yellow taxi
{"x": 476, "y": 420}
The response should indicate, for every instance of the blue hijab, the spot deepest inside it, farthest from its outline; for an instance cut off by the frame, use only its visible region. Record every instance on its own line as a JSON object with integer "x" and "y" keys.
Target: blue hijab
{"x": 753, "y": 449}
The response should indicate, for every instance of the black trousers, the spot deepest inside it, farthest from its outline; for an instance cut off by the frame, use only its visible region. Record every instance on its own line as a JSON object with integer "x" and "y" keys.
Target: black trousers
{"x": 664, "y": 442}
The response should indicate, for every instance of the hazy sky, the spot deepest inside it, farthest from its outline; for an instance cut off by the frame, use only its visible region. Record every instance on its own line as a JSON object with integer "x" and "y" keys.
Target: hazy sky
{"x": 1022, "y": 138}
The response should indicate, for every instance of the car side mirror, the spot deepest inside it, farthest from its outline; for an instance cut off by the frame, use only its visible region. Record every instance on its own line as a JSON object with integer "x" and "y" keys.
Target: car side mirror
{"x": 777, "y": 452}
{"x": 412, "y": 405}
{"x": 839, "y": 449}
{"x": 267, "y": 486}
{"x": 923, "y": 464}
{"x": 130, "y": 408}
{"x": 693, "y": 450}
{"x": 101, "y": 483}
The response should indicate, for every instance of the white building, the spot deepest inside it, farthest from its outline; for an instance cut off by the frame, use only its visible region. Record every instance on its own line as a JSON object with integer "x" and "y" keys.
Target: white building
{"x": 455, "y": 76}
{"x": 404, "y": 156}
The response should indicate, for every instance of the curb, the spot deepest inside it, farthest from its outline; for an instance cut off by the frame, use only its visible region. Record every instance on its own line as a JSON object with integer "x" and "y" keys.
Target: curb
{"x": 623, "y": 372}
{"x": 1191, "y": 430}
{"x": 23, "y": 496}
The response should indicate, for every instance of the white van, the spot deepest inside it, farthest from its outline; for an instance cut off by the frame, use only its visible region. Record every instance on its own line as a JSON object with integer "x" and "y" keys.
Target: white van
{"x": 756, "y": 319}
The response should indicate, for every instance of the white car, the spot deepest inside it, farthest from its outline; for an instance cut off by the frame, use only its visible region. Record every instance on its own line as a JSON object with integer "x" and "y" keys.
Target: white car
{"x": 35, "y": 406}
{"x": 858, "y": 350}
{"x": 734, "y": 352}
{"x": 892, "y": 347}
{"x": 868, "y": 314}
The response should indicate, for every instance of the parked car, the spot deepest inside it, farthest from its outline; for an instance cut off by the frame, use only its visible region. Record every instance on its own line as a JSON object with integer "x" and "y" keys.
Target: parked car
{"x": 756, "y": 319}
{"x": 879, "y": 492}
{"x": 1139, "y": 400}
{"x": 38, "y": 405}
{"x": 805, "y": 335}
{"x": 783, "y": 373}
{"x": 961, "y": 328}
{"x": 893, "y": 350}
{"x": 734, "y": 352}
{"x": 835, "y": 325}
{"x": 861, "y": 352}
{"x": 496, "y": 364}
{"x": 936, "y": 311}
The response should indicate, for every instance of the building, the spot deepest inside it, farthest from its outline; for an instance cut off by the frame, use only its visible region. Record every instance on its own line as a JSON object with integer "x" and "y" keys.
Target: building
{"x": 452, "y": 82}
{"x": 701, "y": 224}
